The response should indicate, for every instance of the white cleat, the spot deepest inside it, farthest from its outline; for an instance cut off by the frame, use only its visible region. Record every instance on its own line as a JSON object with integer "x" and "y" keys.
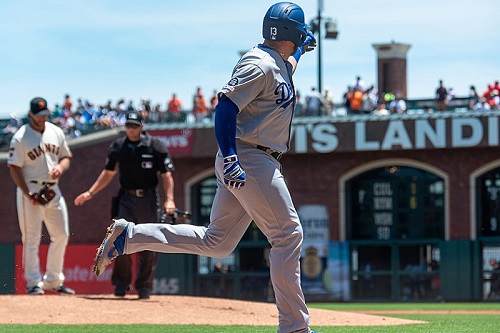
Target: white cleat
{"x": 111, "y": 247}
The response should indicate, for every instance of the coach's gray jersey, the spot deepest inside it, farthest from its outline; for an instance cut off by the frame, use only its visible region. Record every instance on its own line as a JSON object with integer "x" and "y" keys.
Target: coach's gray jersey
{"x": 267, "y": 102}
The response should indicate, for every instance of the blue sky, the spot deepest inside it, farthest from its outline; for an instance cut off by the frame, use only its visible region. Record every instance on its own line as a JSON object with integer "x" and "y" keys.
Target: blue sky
{"x": 104, "y": 49}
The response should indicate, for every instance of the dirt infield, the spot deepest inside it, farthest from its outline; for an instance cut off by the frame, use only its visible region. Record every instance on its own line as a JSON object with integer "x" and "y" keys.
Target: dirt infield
{"x": 107, "y": 309}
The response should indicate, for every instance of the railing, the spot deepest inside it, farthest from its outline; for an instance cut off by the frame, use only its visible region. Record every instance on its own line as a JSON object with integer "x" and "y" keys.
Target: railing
{"x": 186, "y": 119}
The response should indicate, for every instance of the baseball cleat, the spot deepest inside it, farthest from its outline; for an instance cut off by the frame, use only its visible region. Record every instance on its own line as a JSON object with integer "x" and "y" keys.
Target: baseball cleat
{"x": 63, "y": 290}
{"x": 36, "y": 290}
{"x": 111, "y": 247}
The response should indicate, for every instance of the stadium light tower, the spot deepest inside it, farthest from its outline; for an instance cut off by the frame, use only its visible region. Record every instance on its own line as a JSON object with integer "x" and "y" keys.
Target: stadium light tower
{"x": 331, "y": 33}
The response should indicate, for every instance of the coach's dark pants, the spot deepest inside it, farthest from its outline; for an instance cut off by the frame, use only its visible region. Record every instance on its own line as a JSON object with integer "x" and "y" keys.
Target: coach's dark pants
{"x": 137, "y": 210}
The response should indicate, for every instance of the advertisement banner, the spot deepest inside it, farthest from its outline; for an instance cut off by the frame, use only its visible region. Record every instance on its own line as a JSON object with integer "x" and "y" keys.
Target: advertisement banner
{"x": 315, "y": 221}
{"x": 178, "y": 141}
{"x": 338, "y": 271}
{"x": 77, "y": 270}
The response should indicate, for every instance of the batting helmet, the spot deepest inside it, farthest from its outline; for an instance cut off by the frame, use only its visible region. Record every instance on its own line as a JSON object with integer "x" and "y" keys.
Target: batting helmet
{"x": 285, "y": 21}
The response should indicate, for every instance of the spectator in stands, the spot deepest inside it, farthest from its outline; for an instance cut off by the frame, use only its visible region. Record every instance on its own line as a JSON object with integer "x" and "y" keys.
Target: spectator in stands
{"x": 155, "y": 114}
{"x": 299, "y": 106}
{"x": 330, "y": 105}
{"x": 482, "y": 105}
{"x": 473, "y": 96}
{"x": 14, "y": 124}
{"x": 200, "y": 110}
{"x": 57, "y": 113}
{"x": 358, "y": 84}
{"x": 451, "y": 95}
{"x": 346, "y": 102}
{"x": 67, "y": 104}
{"x": 428, "y": 109}
{"x": 381, "y": 110}
{"x": 79, "y": 106}
{"x": 314, "y": 103}
{"x": 130, "y": 106}
{"x": 369, "y": 100}
{"x": 214, "y": 100}
{"x": 88, "y": 112}
{"x": 355, "y": 97}
{"x": 441, "y": 97}
{"x": 144, "y": 107}
{"x": 174, "y": 108}
{"x": 398, "y": 105}
{"x": 496, "y": 85}
{"x": 388, "y": 97}
{"x": 494, "y": 100}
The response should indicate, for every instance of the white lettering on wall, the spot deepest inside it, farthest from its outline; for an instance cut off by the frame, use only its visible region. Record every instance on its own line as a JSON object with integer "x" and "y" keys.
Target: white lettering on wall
{"x": 493, "y": 131}
{"x": 458, "y": 138}
{"x": 436, "y": 136}
{"x": 461, "y": 132}
{"x": 396, "y": 135}
{"x": 360, "y": 139}
{"x": 299, "y": 133}
{"x": 324, "y": 138}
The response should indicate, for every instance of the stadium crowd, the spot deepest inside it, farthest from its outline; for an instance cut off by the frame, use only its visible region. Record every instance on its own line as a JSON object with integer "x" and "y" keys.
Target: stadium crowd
{"x": 362, "y": 99}
{"x": 77, "y": 119}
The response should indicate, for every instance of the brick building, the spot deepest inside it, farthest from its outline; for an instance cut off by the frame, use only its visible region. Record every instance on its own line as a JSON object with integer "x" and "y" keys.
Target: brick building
{"x": 403, "y": 207}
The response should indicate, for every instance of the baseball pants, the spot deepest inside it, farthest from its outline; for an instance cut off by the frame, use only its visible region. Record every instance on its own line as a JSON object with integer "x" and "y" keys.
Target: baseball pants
{"x": 266, "y": 200}
{"x": 55, "y": 216}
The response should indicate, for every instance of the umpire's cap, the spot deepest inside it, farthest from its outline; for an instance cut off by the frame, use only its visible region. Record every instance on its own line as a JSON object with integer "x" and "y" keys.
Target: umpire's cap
{"x": 38, "y": 106}
{"x": 134, "y": 118}
{"x": 285, "y": 21}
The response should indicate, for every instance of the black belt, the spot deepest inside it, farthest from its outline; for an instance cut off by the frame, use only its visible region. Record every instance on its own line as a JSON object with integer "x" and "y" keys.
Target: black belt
{"x": 42, "y": 183}
{"x": 139, "y": 192}
{"x": 276, "y": 154}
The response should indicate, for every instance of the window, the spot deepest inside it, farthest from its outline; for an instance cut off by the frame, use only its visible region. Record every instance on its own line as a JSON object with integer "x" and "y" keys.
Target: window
{"x": 395, "y": 202}
{"x": 488, "y": 201}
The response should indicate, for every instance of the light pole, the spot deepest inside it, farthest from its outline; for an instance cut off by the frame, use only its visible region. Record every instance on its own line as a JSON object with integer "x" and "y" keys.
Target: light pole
{"x": 331, "y": 33}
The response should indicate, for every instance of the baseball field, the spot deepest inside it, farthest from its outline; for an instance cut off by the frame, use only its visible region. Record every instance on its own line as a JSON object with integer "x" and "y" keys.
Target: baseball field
{"x": 105, "y": 313}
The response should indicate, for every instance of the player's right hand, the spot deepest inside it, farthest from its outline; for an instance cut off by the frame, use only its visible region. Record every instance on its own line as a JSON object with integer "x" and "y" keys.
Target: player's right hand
{"x": 234, "y": 175}
{"x": 82, "y": 198}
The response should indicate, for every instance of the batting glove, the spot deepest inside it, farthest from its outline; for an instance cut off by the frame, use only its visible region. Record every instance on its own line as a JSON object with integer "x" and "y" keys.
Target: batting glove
{"x": 309, "y": 43}
{"x": 234, "y": 175}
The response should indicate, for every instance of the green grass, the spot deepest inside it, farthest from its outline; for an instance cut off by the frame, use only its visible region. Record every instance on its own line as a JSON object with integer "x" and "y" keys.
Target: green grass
{"x": 446, "y": 323}
{"x": 406, "y": 306}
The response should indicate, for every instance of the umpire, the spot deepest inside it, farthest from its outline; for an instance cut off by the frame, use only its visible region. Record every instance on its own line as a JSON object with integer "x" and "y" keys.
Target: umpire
{"x": 138, "y": 158}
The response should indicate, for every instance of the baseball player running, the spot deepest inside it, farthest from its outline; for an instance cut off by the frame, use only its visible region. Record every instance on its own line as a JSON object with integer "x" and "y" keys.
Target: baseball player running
{"x": 39, "y": 155}
{"x": 252, "y": 126}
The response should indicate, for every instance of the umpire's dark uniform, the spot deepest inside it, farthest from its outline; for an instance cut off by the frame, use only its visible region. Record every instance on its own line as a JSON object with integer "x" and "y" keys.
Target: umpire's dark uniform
{"x": 138, "y": 164}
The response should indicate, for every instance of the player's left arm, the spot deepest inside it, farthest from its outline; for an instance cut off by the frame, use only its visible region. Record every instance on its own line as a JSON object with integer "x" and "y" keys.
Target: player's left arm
{"x": 225, "y": 125}
{"x": 225, "y": 133}
{"x": 309, "y": 45}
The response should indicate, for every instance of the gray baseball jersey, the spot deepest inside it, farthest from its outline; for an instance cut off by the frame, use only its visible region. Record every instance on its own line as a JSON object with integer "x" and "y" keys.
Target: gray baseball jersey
{"x": 36, "y": 153}
{"x": 262, "y": 88}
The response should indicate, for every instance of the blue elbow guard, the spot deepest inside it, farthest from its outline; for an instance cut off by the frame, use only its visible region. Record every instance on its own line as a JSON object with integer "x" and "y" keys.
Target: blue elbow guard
{"x": 225, "y": 125}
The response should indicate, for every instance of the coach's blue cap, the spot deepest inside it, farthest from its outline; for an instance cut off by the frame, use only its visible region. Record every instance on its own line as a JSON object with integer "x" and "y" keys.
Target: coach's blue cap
{"x": 38, "y": 106}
